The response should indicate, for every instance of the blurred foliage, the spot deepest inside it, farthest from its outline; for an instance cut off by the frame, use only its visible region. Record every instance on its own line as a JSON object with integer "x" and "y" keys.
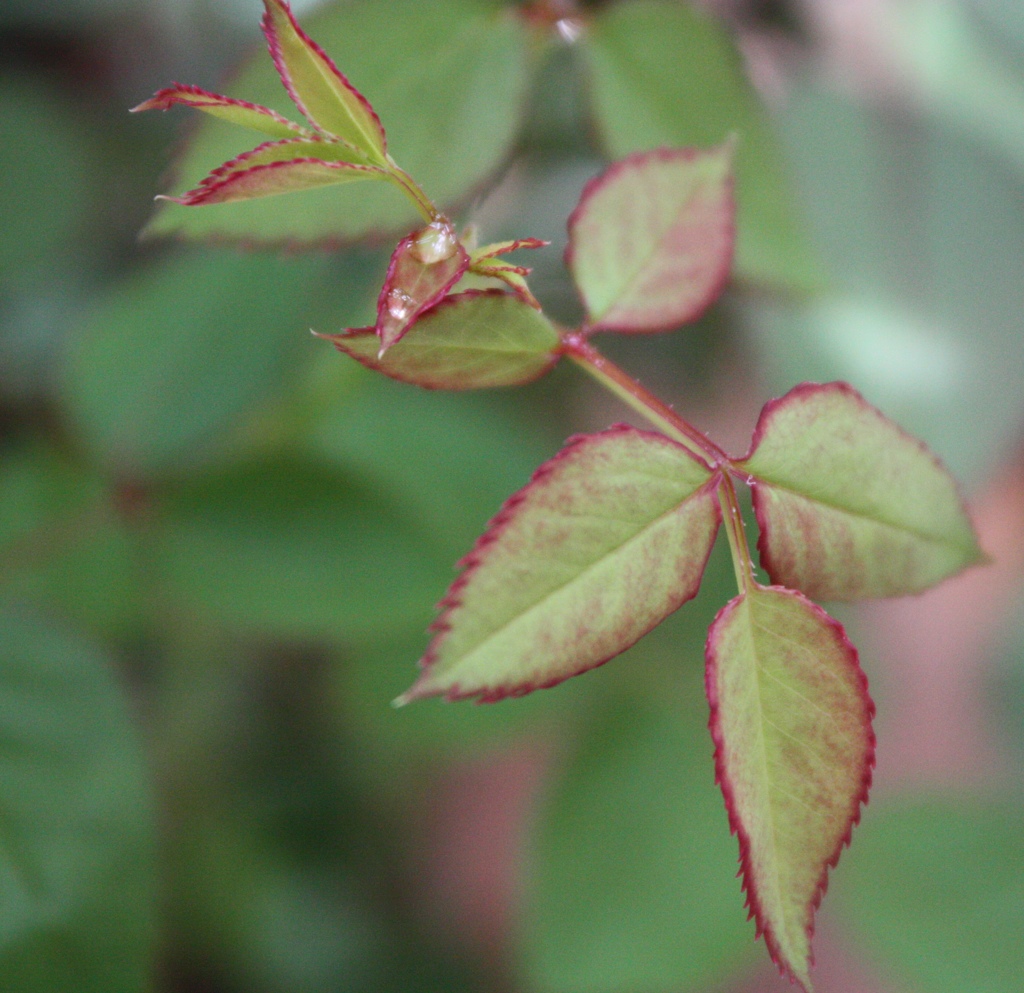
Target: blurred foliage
{"x": 222, "y": 540}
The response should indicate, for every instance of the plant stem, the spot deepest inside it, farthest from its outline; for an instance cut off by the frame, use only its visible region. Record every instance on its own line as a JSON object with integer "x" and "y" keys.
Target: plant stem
{"x": 736, "y": 533}
{"x": 412, "y": 190}
{"x": 641, "y": 400}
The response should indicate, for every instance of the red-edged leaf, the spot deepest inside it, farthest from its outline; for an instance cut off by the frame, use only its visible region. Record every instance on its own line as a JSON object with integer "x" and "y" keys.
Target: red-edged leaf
{"x": 651, "y": 240}
{"x": 468, "y": 341}
{"x": 423, "y": 268}
{"x": 849, "y": 505}
{"x": 609, "y": 537}
{"x": 513, "y": 276}
{"x": 290, "y": 176}
{"x": 504, "y": 247}
{"x": 794, "y": 751}
{"x": 241, "y": 112}
{"x": 329, "y": 101}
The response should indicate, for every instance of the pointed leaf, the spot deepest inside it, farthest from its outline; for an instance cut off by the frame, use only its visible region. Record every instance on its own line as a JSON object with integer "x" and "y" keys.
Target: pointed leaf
{"x": 320, "y": 91}
{"x": 794, "y": 751}
{"x": 513, "y": 276}
{"x": 849, "y": 506}
{"x": 423, "y": 268}
{"x": 651, "y": 241}
{"x": 468, "y": 341}
{"x": 609, "y": 537}
{"x": 241, "y": 112}
{"x": 504, "y": 247}
{"x": 289, "y": 176}
{"x": 668, "y": 73}
{"x": 421, "y": 63}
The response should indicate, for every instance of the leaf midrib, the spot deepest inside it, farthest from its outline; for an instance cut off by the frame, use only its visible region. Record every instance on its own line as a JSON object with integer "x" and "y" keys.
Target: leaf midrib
{"x": 537, "y": 604}
{"x": 862, "y": 515}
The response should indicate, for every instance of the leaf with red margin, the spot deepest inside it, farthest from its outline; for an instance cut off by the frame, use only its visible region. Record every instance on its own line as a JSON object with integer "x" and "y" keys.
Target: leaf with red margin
{"x": 272, "y": 178}
{"x": 319, "y": 89}
{"x": 794, "y": 753}
{"x": 849, "y": 505}
{"x": 651, "y": 240}
{"x": 469, "y": 341}
{"x": 608, "y": 538}
{"x": 504, "y": 247}
{"x": 423, "y": 268}
{"x": 241, "y": 112}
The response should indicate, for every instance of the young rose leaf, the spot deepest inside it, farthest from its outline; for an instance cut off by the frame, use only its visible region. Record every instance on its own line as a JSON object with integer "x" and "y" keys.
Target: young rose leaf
{"x": 241, "y": 112}
{"x": 468, "y": 341}
{"x": 513, "y": 276}
{"x": 849, "y": 506}
{"x": 651, "y": 241}
{"x": 794, "y": 751}
{"x": 497, "y": 248}
{"x": 271, "y": 178}
{"x": 423, "y": 268}
{"x": 484, "y": 262}
{"x": 608, "y": 538}
{"x": 320, "y": 91}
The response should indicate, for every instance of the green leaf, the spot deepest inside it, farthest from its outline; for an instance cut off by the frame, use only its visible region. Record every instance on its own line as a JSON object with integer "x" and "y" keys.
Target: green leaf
{"x": 329, "y": 101}
{"x": 651, "y": 242}
{"x": 666, "y": 73}
{"x": 849, "y": 506}
{"x": 934, "y": 895}
{"x": 450, "y": 80}
{"x": 794, "y": 751}
{"x": 290, "y": 549}
{"x": 62, "y": 544}
{"x": 77, "y": 859}
{"x": 633, "y": 872}
{"x": 607, "y": 539}
{"x": 240, "y": 112}
{"x": 166, "y": 367}
{"x": 469, "y": 341}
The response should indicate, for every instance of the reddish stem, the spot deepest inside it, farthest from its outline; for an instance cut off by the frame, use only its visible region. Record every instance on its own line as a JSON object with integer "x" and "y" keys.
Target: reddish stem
{"x": 576, "y": 346}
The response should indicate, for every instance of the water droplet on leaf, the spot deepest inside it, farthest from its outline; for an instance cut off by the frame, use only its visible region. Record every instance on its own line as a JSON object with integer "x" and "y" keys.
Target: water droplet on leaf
{"x": 435, "y": 243}
{"x": 400, "y": 304}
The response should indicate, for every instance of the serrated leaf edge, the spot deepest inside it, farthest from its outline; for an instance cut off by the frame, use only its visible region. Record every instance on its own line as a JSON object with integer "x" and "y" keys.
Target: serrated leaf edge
{"x": 166, "y": 98}
{"x": 798, "y": 392}
{"x": 452, "y": 299}
{"x": 749, "y": 888}
{"x": 470, "y": 562}
{"x": 274, "y": 46}
{"x": 596, "y": 183}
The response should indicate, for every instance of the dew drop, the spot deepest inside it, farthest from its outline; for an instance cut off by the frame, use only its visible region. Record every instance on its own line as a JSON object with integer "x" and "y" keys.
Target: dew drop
{"x": 400, "y": 304}
{"x": 750, "y": 480}
{"x": 569, "y": 29}
{"x": 435, "y": 243}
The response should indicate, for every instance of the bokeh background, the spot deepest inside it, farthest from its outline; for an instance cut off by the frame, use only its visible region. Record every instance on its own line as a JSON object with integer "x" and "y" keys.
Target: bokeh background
{"x": 220, "y": 541}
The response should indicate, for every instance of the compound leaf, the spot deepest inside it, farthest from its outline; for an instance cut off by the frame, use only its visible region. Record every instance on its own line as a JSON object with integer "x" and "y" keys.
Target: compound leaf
{"x": 609, "y": 537}
{"x": 794, "y": 751}
{"x": 651, "y": 242}
{"x": 468, "y": 341}
{"x": 420, "y": 64}
{"x": 849, "y": 506}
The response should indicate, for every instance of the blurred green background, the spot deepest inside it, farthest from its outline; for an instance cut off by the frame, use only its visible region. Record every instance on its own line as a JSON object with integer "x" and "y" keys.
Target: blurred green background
{"x": 221, "y": 540}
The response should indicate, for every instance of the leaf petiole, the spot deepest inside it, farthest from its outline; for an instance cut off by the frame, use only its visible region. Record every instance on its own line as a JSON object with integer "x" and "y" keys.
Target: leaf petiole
{"x": 735, "y": 531}
{"x": 645, "y": 403}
